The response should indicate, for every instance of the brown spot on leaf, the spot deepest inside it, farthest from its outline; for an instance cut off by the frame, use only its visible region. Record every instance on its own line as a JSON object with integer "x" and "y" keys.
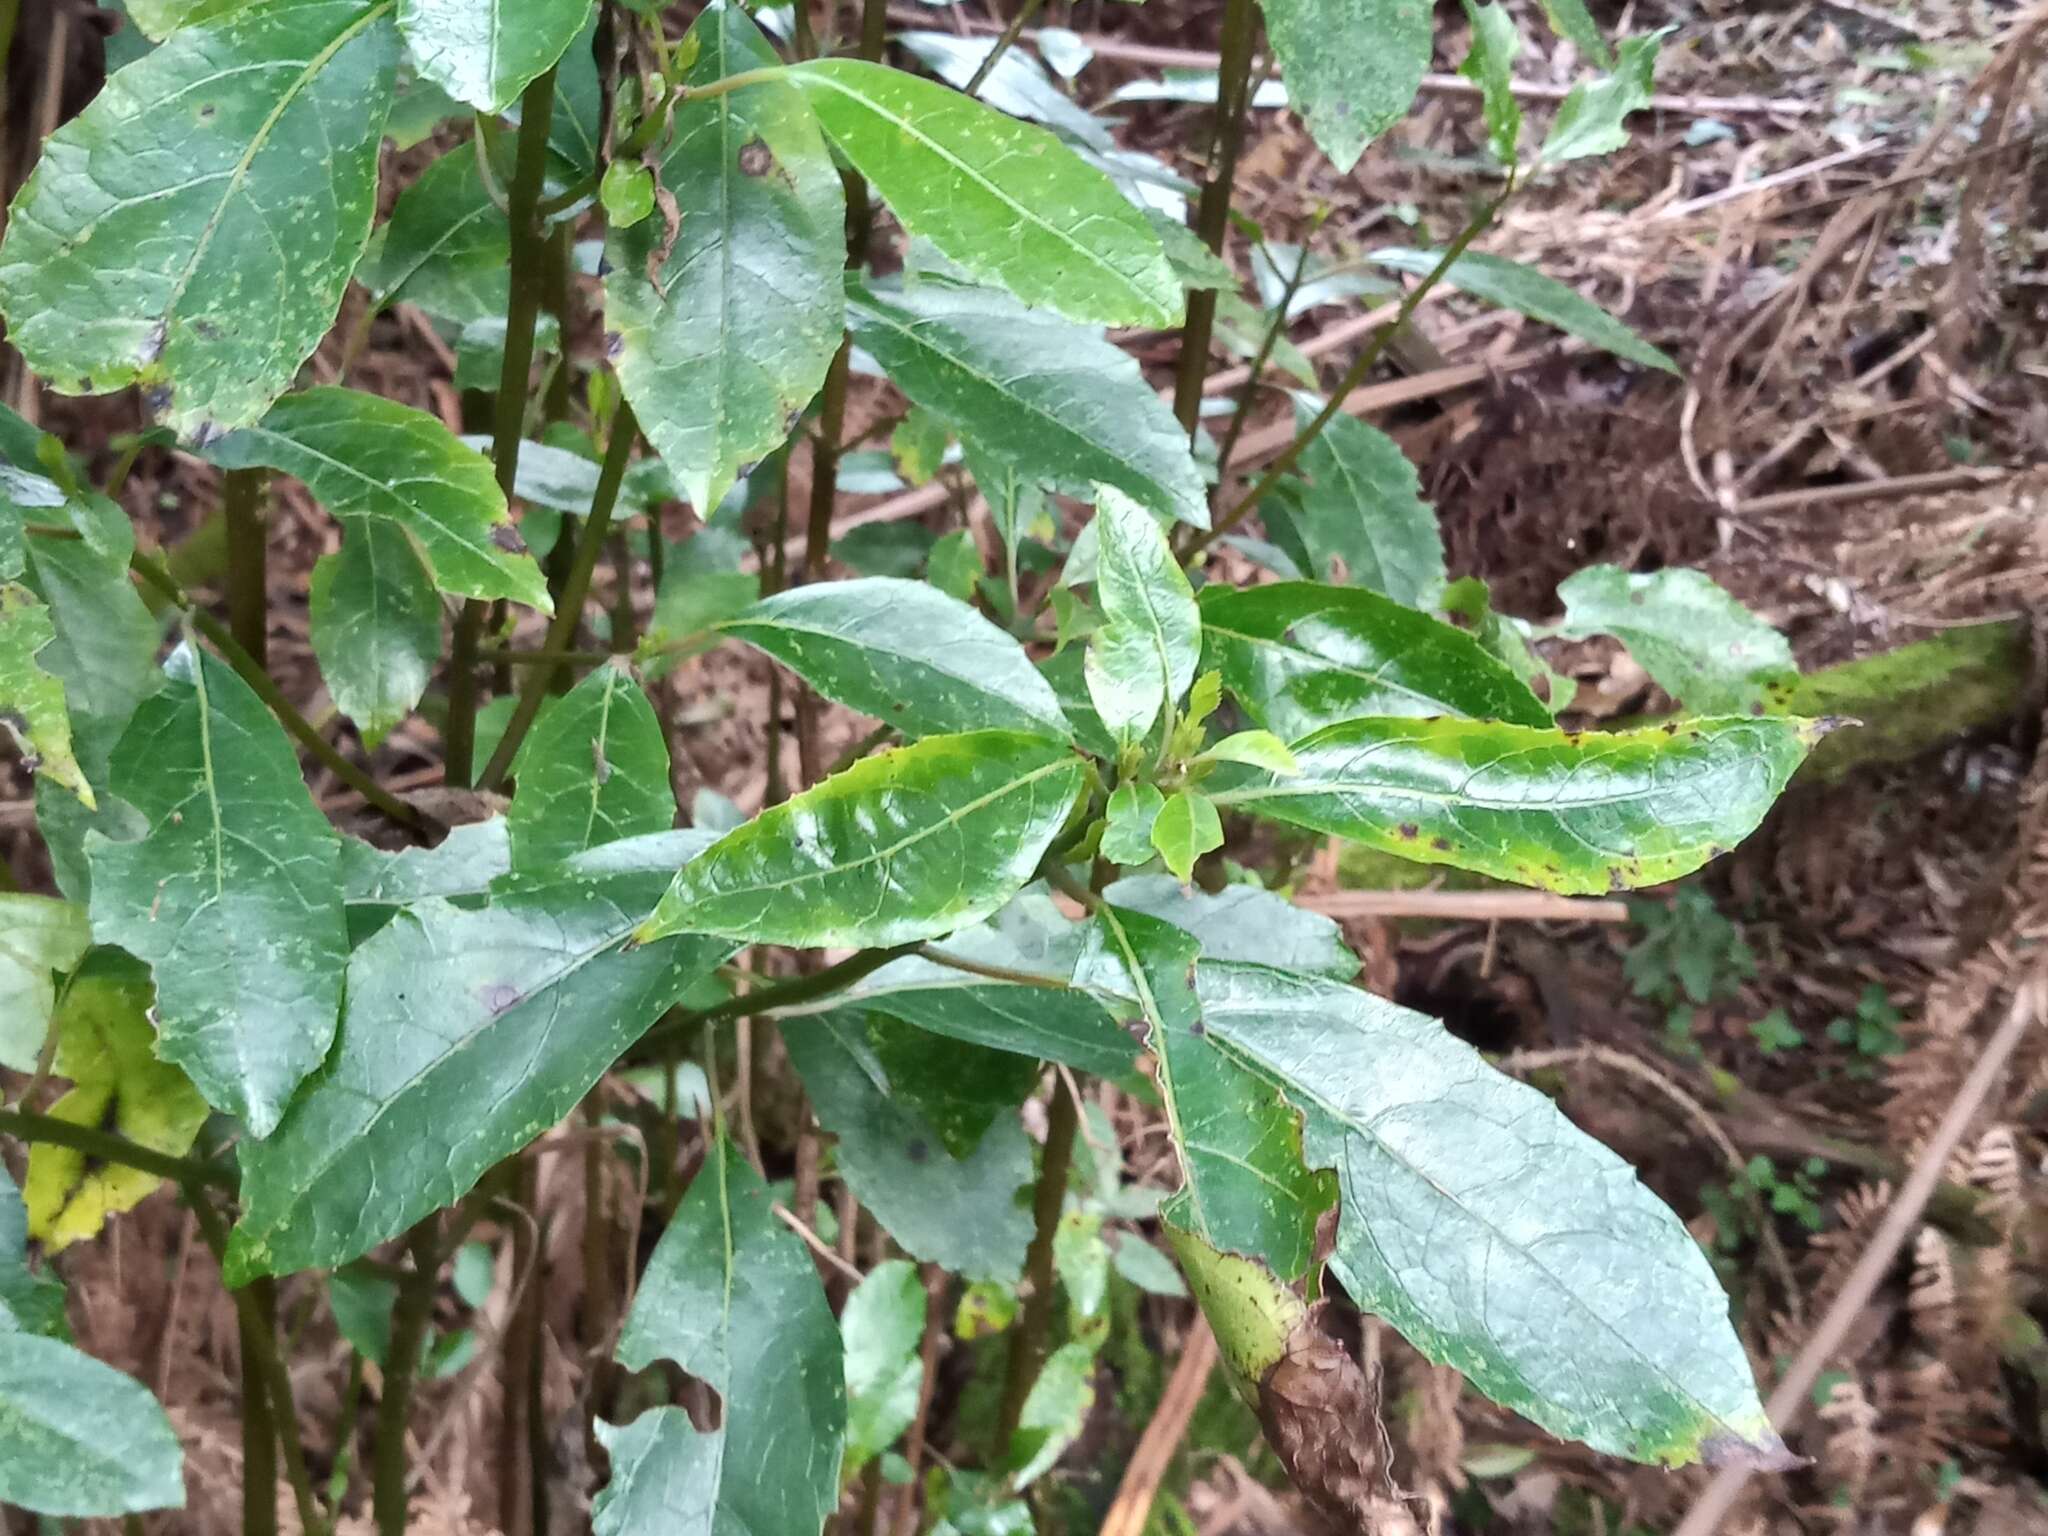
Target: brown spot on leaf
{"x": 497, "y": 996}
{"x": 1440, "y": 844}
{"x": 916, "y": 1150}
{"x": 1408, "y": 831}
{"x": 756, "y": 158}
{"x": 507, "y": 538}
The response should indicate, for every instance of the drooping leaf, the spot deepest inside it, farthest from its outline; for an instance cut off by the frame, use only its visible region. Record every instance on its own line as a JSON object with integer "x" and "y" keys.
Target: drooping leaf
{"x": 1364, "y": 505}
{"x": 1299, "y": 656}
{"x": 1351, "y": 66}
{"x": 1127, "y": 828}
{"x": 729, "y": 339}
{"x": 1035, "y": 390}
{"x": 32, "y": 700}
{"x": 958, "y": 1211}
{"x": 1591, "y": 119}
{"x": 883, "y": 1322}
{"x": 904, "y": 845}
{"x": 906, "y": 654}
{"x": 1697, "y": 643}
{"x": 367, "y": 458}
{"x": 593, "y": 772}
{"x": 1143, "y": 657}
{"x": 732, "y": 1297}
{"x": 31, "y": 1301}
{"x": 485, "y": 52}
{"x": 1494, "y": 1234}
{"x": 1561, "y": 810}
{"x": 468, "y": 1032}
{"x": 39, "y": 936}
{"x": 1016, "y": 502}
{"x": 1244, "y": 1187}
{"x": 1527, "y": 291}
{"x": 1241, "y": 922}
{"x": 78, "y": 1437}
{"x": 1186, "y": 828}
{"x": 447, "y": 246}
{"x": 234, "y": 166}
{"x": 1055, "y": 1411}
{"x": 376, "y": 626}
{"x": 1490, "y": 64}
{"x": 1570, "y": 20}
{"x": 105, "y": 1045}
{"x": 1016, "y": 85}
{"x": 1005, "y": 201}
{"x": 233, "y": 898}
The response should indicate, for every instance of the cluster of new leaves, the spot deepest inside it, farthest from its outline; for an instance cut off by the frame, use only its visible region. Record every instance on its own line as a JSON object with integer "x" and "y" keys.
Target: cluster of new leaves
{"x": 384, "y": 1029}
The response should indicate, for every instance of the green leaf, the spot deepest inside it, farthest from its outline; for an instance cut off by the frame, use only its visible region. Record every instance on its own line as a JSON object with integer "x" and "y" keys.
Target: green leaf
{"x": 1255, "y": 749}
{"x": 958, "y": 1211}
{"x": 732, "y": 1297}
{"x": 627, "y": 193}
{"x": 1495, "y": 44}
{"x": 955, "y": 565}
{"x": 1244, "y": 1186}
{"x": 1146, "y": 1267}
{"x": 485, "y": 52}
{"x": 1127, "y": 835}
{"x": 1054, "y": 398}
{"x": 105, "y": 1045}
{"x": 464, "y": 863}
{"x": 1187, "y": 828}
{"x": 905, "y": 653}
{"x": 78, "y": 1437}
{"x": 105, "y": 645}
{"x": 1015, "y": 85}
{"x": 722, "y": 347}
{"x": 883, "y": 1322}
{"x": 447, "y": 246}
{"x": 904, "y": 845}
{"x": 1499, "y": 1238}
{"x": 1299, "y": 656}
{"x": 1055, "y": 1411}
{"x": 1590, "y": 119}
{"x": 1570, "y": 20}
{"x": 1016, "y": 502}
{"x": 468, "y": 1032}
{"x": 1527, "y": 291}
{"x": 918, "y": 445}
{"x": 32, "y": 700}
{"x": 1506, "y": 639}
{"x": 1697, "y": 643}
{"x": 1364, "y": 505}
{"x": 362, "y": 1302}
{"x": 368, "y": 458}
{"x": 1253, "y": 1314}
{"x": 1561, "y": 810}
{"x": 31, "y": 1301}
{"x": 233, "y": 898}
{"x": 1351, "y": 66}
{"x": 1005, "y": 201}
{"x": 1143, "y": 657}
{"x": 1241, "y": 922}
{"x": 158, "y": 19}
{"x": 237, "y": 164}
{"x": 593, "y": 772}
{"x": 376, "y": 627}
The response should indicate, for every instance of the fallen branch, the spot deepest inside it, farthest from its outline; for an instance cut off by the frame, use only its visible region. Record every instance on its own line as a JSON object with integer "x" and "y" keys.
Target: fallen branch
{"x": 1145, "y": 1470}
{"x": 1930, "y": 484}
{"x": 1468, "y": 906}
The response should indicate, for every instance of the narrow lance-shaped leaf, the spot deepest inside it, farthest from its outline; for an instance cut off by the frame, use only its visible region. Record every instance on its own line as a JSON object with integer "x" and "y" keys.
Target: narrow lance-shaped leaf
{"x": 1245, "y": 1188}
{"x": 232, "y": 171}
{"x": 1499, "y": 1238}
{"x": 485, "y": 52}
{"x": 1697, "y": 643}
{"x": 78, "y": 1437}
{"x": 728, "y": 339}
{"x": 905, "y": 845}
{"x": 1033, "y": 389}
{"x": 1299, "y": 656}
{"x": 884, "y": 1327}
{"x": 234, "y": 896}
{"x": 905, "y": 653}
{"x": 1495, "y": 44}
{"x": 364, "y": 457}
{"x": 1143, "y": 657}
{"x": 468, "y": 1032}
{"x": 1004, "y": 200}
{"x": 376, "y": 626}
{"x": 32, "y": 700}
{"x": 1567, "y": 811}
{"x": 1511, "y": 285}
{"x": 594, "y": 771}
{"x": 1351, "y": 66}
{"x": 732, "y": 1297}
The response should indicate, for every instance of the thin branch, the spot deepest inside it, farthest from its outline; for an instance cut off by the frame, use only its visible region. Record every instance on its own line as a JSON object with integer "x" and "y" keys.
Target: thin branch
{"x": 783, "y": 995}
{"x": 108, "y": 1147}
{"x": 1003, "y": 45}
{"x": 1027, "y": 1343}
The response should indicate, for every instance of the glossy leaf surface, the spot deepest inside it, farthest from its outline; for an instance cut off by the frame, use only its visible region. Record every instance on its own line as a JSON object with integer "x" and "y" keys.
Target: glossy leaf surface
{"x": 1241, "y": 922}
{"x": 1186, "y": 828}
{"x": 233, "y": 898}
{"x": 1299, "y": 656}
{"x": 1351, "y": 66}
{"x": 594, "y": 771}
{"x": 1498, "y": 1237}
{"x": 1562, "y": 810}
{"x": 905, "y": 845}
{"x": 365, "y": 457}
{"x": 905, "y": 653}
{"x": 1143, "y": 657}
{"x": 1697, "y": 643}
{"x": 1039, "y": 391}
{"x": 1004, "y": 200}
{"x": 485, "y": 52}
{"x": 375, "y": 625}
{"x": 235, "y": 166}
{"x": 78, "y": 1437}
{"x": 729, "y": 339}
